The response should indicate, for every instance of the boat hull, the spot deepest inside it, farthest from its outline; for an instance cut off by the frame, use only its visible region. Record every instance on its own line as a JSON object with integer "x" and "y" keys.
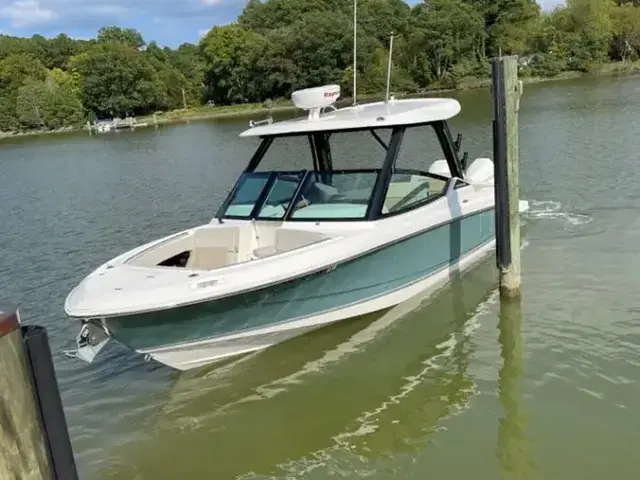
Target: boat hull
{"x": 190, "y": 336}
{"x": 195, "y": 354}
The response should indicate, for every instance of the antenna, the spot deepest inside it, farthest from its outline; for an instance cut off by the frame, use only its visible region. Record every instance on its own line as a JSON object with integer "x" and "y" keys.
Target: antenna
{"x": 389, "y": 66}
{"x": 355, "y": 13}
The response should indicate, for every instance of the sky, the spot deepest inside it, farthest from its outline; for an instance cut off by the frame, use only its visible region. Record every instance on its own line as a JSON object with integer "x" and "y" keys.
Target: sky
{"x": 168, "y": 22}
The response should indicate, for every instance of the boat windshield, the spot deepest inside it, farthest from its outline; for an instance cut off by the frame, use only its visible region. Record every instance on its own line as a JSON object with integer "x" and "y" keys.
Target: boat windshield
{"x": 331, "y": 194}
{"x": 303, "y": 195}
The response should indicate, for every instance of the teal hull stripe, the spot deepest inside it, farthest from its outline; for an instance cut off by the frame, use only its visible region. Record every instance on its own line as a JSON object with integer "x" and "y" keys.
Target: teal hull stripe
{"x": 371, "y": 275}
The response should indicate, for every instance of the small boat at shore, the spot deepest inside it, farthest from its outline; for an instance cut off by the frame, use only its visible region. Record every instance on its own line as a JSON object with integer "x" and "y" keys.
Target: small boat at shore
{"x": 290, "y": 251}
{"x": 116, "y": 124}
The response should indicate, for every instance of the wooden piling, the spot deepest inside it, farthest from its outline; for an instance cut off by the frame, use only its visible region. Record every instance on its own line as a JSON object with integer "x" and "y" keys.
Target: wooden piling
{"x": 34, "y": 439}
{"x": 47, "y": 395}
{"x": 506, "y": 91}
{"x": 23, "y": 452}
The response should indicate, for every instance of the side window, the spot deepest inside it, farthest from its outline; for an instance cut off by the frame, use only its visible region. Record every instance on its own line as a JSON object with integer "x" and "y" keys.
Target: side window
{"x": 411, "y": 184}
{"x": 408, "y": 190}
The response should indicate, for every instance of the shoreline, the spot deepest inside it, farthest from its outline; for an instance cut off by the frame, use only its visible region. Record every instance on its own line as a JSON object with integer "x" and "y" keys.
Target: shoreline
{"x": 202, "y": 113}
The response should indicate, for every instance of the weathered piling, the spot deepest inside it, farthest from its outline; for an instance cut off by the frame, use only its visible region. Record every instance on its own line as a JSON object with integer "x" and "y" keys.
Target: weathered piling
{"x": 48, "y": 398}
{"x": 22, "y": 448}
{"x": 34, "y": 440}
{"x": 506, "y": 90}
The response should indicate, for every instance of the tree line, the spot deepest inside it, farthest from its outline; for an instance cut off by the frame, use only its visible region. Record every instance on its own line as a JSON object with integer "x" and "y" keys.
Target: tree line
{"x": 278, "y": 46}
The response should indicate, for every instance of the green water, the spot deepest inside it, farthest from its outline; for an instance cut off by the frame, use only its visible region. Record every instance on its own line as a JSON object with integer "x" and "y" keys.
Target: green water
{"x": 457, "y": 388}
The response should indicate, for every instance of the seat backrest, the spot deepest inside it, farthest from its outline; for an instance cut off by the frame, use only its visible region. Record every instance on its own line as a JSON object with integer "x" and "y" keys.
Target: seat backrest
{"x": 290, "y": 239}
{"x": 208, "y": 258}
{"x": 320, "y": 193}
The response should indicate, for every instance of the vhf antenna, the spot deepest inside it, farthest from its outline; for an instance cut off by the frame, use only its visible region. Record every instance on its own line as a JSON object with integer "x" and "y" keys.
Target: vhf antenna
{"x": 355, "y": 14}
{"x": 389, "y": 66}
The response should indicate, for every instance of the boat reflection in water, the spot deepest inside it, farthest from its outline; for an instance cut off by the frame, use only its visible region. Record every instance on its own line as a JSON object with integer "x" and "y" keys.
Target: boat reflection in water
{"x": 344, "y": 398}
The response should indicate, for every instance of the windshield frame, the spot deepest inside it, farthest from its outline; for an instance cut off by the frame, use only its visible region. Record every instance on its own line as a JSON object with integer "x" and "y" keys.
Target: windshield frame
{"x": 306, "y": 176}
{"x": 321, "y": 156}
{"x": 305, "y": 179}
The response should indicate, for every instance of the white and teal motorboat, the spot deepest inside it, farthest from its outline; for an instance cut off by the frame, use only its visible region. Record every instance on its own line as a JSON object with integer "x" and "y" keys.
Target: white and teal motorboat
{"x": 293, "y": 250}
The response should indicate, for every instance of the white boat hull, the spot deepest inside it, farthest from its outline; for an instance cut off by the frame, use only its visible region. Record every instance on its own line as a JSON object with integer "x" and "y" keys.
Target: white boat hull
{"x": 195, "y": 354}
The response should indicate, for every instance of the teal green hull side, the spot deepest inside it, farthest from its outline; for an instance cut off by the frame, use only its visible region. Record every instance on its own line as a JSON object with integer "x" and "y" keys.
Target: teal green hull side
{"x": 371, "y": 275}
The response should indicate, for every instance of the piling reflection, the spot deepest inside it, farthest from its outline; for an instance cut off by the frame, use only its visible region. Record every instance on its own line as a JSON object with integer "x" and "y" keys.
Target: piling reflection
{"x": 347, "y": 398}
{"x": 513, "y": 441}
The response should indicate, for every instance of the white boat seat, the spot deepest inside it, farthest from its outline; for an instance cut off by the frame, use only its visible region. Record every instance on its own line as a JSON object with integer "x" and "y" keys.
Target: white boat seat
{"x": 266, "y": 251}
{"x": 208, "y": 258}
{"x": 320, "y": 193}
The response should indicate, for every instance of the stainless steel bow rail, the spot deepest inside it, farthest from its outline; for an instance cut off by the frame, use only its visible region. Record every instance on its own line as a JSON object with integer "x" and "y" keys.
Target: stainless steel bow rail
{"x": 34, "y": 440}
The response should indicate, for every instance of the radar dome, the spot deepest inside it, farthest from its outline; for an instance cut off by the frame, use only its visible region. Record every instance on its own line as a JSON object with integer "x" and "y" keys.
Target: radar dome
{"x": 315, "y": 98}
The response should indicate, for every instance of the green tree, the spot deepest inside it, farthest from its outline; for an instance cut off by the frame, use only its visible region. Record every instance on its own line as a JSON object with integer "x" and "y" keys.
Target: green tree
{"x": 180, "y": 88}
{"x": 59, "y": 50}
{"x": 125, "y": 36}
{"x": 590, "y": 22}
{"x": 49, "y": 104}
{"x": 64, "y": 79}
{"x": 118, "y": 80}
{"x": 374, "y": 80}
{"x": 444, "y": 33}
{"x": 14, "y": 71}
{"x": 188, "y": 61}
{"x": 232, "y": 57}
{"x": 378, "y": 18}
{"x": 321, "y": 48}
{"x": 269, "y": 15}
{"x": 626, "y": 31}
{"x": 506, "y": 24}
{"x": 13, "y": 46}
{"x": 8, "y": 118}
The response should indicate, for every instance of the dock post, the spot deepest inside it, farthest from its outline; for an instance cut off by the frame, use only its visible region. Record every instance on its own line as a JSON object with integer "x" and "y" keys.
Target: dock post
{"x": 23, "y": 452}
{"x": 506, "y": 92}
{"x": 34, "y": 440}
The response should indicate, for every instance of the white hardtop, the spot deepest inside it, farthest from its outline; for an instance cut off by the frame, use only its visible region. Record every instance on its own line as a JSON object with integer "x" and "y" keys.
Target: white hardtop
{"x": 389, "y": 113}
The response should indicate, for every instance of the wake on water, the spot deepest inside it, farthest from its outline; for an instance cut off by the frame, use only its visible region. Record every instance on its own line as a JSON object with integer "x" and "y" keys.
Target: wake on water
{"x": 552, "y": 210}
